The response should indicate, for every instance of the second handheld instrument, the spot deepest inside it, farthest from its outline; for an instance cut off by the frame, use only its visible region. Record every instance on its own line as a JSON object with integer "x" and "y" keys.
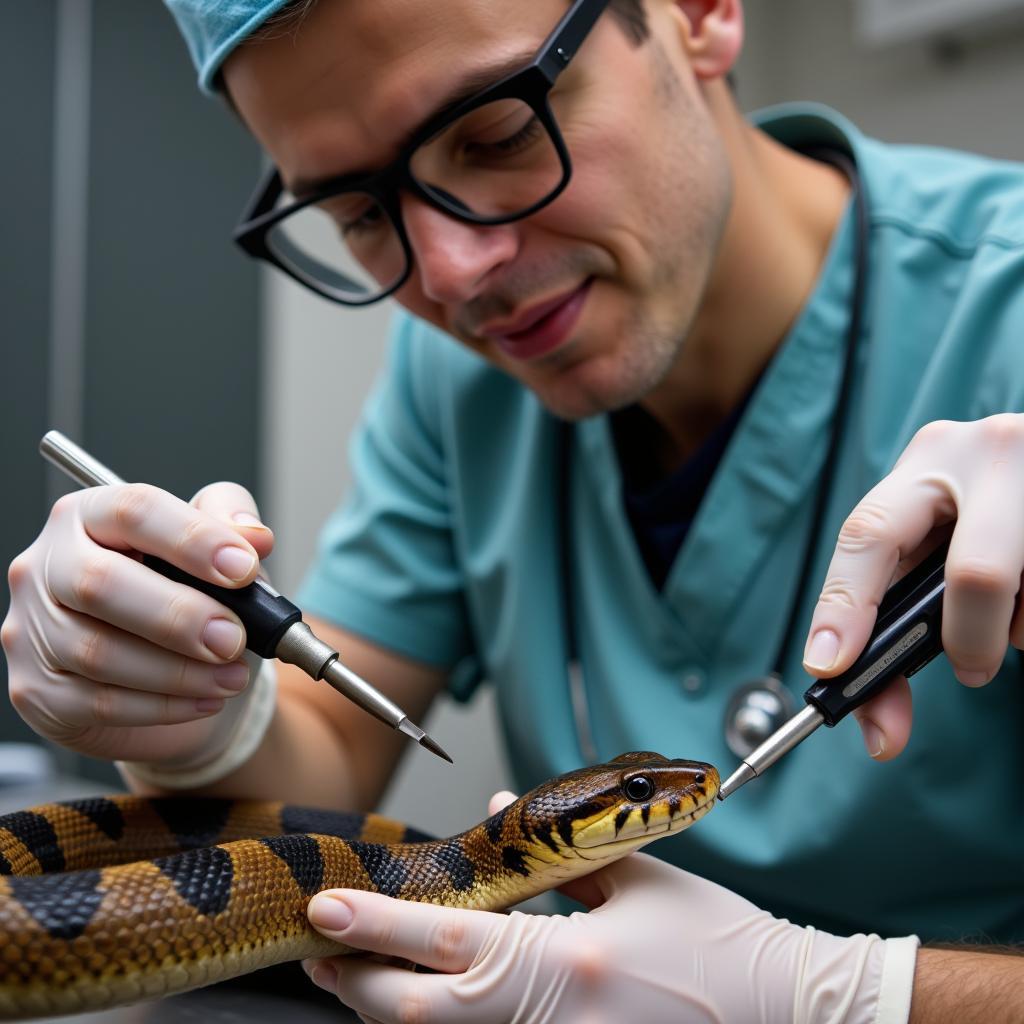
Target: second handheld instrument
{"x": 907, "y": 635}
{"x": 273, "y": 625}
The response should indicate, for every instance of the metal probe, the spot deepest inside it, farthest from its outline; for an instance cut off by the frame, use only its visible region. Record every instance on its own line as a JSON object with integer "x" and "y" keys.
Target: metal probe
{"x": 274, "y": 626}
{"x": 907, "y": 635}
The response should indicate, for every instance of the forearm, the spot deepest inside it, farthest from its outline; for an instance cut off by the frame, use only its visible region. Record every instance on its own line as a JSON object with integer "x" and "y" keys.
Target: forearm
{"x": 957, "y": 986}
{"x": 319, "y": 748}
{"x": 301, "y": 759}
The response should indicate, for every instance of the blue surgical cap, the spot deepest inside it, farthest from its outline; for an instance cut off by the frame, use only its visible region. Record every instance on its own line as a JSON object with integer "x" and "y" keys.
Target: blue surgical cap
{"x": 213, "y": 28}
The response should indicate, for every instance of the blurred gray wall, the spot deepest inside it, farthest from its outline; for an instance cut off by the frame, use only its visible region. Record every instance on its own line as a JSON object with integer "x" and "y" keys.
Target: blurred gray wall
{"x": 126, "y": 318}
{"x": 961, "y": 89}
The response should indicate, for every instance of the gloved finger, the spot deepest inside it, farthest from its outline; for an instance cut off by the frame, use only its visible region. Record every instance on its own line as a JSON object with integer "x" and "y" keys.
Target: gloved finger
{"x": 642, "y": 880}
{"x": 232, "y": 503}
{"x": 441, "y": 938}
{"x": 324, "y": 974}
{"x": 78, "y": 703}
{"x": 894, "y": 518}
{"x": 499, "y": 801}
{"x": 394, "y": 995}
{"x": 983, "y": 576}
{"x": 585, "y": 890}
{"x": 105, "y": 654}
{"x": 144, "y": 518}
{"x": 595, "y": 889}
{"x": 117, "y": 590}
{"x": 886, "y": 719}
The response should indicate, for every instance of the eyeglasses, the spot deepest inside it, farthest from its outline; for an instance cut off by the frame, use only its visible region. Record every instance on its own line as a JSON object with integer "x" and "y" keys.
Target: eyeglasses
{"x": 491, "y": 159}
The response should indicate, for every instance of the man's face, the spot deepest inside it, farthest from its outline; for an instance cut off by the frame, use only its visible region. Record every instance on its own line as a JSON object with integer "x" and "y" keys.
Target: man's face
{"x": 586, "y": 302}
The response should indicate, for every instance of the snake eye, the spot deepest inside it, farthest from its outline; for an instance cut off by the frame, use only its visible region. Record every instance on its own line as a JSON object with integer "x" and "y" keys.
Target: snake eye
{"x": 699, "y": 778}
{"x": 639, "y": 788}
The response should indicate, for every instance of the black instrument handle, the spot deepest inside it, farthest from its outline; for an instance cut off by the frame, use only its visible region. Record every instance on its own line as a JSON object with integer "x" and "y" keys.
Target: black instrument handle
{"x": 266, "y": 615}
{"x": 907, "y": 635}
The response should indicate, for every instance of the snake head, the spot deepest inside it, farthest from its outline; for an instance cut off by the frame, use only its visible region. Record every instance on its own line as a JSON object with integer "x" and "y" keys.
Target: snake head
{"x": 607, "y": 810}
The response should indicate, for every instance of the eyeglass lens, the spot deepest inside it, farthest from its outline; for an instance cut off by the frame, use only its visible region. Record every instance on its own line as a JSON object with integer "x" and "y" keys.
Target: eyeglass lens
{"x": 491, "y": 164}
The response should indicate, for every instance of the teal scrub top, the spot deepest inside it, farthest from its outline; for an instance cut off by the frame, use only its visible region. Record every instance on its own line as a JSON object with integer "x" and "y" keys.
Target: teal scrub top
{"x": 447, "y": 551}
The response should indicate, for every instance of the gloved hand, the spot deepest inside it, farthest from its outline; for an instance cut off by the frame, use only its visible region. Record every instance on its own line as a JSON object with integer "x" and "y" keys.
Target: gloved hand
{"x": 109, "y": 658}
{"x": 961, "y": 478}
{"x": 660, "y": 945}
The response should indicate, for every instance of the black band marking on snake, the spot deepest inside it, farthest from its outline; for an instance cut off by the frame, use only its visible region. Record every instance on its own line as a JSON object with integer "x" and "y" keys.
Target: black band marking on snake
{"x": 302, "y": 855}
{"x": 565, "y": 821}
{"x": 512, "y": 857}
{"x": 495, "y": 824}
{"x": 37, "y": 834}
{"x": 452, "y": 859}
{"x": 195, "y": 823}
{"x": 103, "y": 813}
{"x": 346, "y": 824}
{"x": 62, "y": 904}
{"x": 202, "y": 877}
{"x": 548, "y": 838}
{"x": 386, "y": 871}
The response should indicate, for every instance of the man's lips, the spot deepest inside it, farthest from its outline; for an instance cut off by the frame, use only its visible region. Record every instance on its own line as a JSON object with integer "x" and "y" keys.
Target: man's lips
{"x": 539, "y": 329}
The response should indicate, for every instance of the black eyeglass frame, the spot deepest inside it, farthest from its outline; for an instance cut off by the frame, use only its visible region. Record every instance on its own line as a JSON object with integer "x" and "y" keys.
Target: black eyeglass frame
{"x": 531, "y": 84}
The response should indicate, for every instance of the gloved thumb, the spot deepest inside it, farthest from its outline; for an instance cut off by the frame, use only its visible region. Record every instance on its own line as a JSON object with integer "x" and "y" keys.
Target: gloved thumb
{"x": 232, "y": 503}
{"x": 500, "y": 801}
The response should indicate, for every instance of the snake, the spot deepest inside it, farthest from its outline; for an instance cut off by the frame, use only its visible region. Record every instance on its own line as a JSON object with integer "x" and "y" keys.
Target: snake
{"x": 112, "y": 900}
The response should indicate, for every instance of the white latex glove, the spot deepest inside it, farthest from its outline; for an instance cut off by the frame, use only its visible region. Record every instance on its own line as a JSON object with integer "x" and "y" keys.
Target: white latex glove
{"x": 961, "y": 478}
{"x": 109, "y": 658}
{"x": 660, "y": 945}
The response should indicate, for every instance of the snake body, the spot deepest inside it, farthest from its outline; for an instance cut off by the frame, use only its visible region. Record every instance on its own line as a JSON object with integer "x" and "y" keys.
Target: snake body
{"x": 113, "y": 900}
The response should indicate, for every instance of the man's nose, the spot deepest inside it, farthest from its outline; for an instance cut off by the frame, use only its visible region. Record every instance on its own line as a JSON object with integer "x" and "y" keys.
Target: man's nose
{"x": 452, "y": 258}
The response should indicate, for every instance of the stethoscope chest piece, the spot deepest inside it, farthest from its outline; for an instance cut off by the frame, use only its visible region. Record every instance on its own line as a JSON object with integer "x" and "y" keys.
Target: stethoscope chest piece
{"x": 755, "y": 711}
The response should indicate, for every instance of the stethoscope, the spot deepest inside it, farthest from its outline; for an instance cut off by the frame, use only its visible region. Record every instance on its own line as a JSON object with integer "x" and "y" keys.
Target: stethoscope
{"x": 756, "y": 709}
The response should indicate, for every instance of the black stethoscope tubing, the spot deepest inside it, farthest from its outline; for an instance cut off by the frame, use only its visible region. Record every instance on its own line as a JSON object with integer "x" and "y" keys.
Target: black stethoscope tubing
{"x": 576, "y": 681}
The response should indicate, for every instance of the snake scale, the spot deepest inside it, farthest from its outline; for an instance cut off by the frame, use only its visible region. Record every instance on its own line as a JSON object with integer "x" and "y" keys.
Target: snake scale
{"x": 112, "y": 900}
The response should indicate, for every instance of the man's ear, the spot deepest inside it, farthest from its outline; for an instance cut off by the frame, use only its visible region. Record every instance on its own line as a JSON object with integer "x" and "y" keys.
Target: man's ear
{"x": 713, "y": 34}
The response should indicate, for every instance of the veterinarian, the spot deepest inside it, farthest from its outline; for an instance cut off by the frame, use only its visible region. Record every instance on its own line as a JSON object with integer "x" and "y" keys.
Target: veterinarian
{"x": 674, "y": 395}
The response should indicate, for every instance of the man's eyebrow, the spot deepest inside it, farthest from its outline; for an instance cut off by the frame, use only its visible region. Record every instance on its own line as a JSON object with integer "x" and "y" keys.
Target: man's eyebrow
{"x": 474, "y": 81}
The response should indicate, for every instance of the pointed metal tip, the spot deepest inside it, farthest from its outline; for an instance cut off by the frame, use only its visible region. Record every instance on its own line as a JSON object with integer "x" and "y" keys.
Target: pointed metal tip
{"x": 740, "y": 777}
{"x": 414, "y": 732}
{"x": 427, "y": 742}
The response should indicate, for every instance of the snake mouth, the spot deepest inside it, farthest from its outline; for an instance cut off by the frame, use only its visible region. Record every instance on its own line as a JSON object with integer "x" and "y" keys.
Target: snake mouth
{"x": 591, "y": 843}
